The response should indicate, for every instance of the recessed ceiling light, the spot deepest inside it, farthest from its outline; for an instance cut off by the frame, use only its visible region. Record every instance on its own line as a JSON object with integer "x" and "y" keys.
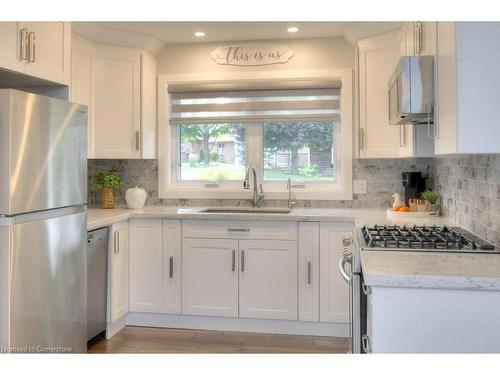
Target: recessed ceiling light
{"x": 199, "y": 34}
{"x": 292, "y": 29}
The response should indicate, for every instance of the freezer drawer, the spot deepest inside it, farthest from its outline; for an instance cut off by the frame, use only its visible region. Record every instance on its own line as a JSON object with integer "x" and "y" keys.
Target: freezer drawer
{"x": 43, "y": 153}
{"x": 48, "y": 286}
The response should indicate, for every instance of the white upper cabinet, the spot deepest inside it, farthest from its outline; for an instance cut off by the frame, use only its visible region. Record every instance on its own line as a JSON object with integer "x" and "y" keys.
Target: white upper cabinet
{"x": 50, "y": 51}
{"x": 467, "y": 88}
{"x": 12, "y": 56}
{"x": 125, "y": 103}
{"x": 377, "y": 58}
{"x": 118, "y": 102}
{"x": 38, "y": 49}
{"x": 417, "y": 38}
{"x": 268, "y": 279}
{"x": 82, "y": 89}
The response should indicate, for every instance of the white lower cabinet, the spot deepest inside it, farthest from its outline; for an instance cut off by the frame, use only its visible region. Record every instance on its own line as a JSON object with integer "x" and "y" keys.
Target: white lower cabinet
{"x": 210, "y": 277}
{"x": 167, "y": 267}
{"x": 334, "y": 291}
{"x": 308, "y": 271}
{"x": 171, "y": 266}
{"x": 268, "y": 279}
{"x": 155, "y": 249}
{"x": 119, "y": 272}
{"x": 146, "y": 265}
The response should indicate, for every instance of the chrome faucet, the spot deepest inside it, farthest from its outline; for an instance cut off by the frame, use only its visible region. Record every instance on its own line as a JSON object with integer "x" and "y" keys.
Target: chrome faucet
{"x": 258, "y": 198}
{"x": 291, "y": 198}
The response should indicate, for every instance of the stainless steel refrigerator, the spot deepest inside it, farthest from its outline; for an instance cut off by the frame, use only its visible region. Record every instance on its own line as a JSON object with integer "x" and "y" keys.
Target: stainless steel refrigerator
{"x": 43, "y": 195}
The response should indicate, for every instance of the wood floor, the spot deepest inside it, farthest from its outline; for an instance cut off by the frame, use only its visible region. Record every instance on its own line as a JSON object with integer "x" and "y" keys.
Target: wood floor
{"x": 166, "y": 340}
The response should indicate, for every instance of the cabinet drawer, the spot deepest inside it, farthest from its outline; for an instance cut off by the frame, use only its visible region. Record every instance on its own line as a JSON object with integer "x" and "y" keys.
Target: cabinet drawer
{"x": 267, "y": 230}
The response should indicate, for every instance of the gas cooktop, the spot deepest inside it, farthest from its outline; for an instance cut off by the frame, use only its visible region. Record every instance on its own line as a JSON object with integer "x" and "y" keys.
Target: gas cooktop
{"x": 424, "y": 238}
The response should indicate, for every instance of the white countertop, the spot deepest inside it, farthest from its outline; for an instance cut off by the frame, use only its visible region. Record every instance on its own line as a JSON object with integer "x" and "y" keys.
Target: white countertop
{"x": 97, "y": 217}
{"x": 380, "y": 268}
{"x": 431, "y": 270}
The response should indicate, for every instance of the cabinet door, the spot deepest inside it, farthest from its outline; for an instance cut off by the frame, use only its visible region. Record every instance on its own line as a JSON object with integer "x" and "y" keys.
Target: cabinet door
{"x": 117, "y": 102}
{"x": 10, "y": 46}
{"x": 334, "y": 291}
{"x": 428, "y": 36}
{"x": 82, "y": 89}
{"x": 119, "y": 277}
{"x": 268, "y": 279}
{"x": 411, "y": 34}
{"x": 148, "y": 105}
{"x": 146, "y": 265}
{"x": 378, "y": 57}
{"x": 50, "y": 56}
{"x": 172, "y": 266}
{"x": 446, "y": 87}
{"x": 210, "y": 277}
{"x": 308, "y": 242}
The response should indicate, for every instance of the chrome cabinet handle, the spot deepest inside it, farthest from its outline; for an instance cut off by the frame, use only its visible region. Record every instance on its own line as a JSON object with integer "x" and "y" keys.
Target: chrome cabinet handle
{"x": 242, "y": 260}
{"x": 238, "y": 229}
{"x": 115, "y": 242}
{"x": 171, "y": 266}
{"x": 420, "y": 37}
{"x": 346, "y": 258}
{"x": 233, "y": 264}
{"x": 361, "y": 138}
{"x": 24, "y": 47}
{"x": 137, "y": 140}
{"x": 365, "y": 342}
{"x": 118, "y": 246}
{"x": 309, "y": 272}
{"x": 31, "y": 47}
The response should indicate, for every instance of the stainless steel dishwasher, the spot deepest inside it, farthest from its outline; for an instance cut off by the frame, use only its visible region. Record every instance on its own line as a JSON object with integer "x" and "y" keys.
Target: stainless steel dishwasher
{"x": 97, "y": 281}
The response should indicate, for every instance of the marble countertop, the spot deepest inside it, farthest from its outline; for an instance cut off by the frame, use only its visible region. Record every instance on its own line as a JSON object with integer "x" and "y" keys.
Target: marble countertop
{"x": 97, "y": 217}
{"x": 380, "y": 268}
{"x": 431, "y": 270}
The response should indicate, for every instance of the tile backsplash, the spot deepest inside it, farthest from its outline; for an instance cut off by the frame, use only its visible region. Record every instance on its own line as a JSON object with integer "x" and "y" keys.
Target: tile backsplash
{"x": 470, "y": 192}
{"x": 469, "y": 186}
{"x": 383, "y": 178}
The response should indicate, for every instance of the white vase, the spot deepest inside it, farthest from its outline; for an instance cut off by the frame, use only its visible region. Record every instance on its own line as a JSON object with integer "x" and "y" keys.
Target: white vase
{"x": 136, "y": 197}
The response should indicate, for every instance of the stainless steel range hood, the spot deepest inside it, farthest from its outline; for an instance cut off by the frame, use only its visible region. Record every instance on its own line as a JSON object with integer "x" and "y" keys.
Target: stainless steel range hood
{"x": 411, "y": 91}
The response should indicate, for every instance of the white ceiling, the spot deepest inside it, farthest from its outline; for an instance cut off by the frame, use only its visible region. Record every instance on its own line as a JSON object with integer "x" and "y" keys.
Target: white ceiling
{"x": 153, "y": 36}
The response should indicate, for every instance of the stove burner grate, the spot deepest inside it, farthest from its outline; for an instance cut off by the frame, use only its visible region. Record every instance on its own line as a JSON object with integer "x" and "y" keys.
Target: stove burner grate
{"x": 423, "y": 237}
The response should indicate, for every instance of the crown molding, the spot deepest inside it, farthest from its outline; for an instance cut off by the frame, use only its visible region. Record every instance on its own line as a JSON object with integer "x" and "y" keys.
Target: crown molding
{"x": 100, "y": 34}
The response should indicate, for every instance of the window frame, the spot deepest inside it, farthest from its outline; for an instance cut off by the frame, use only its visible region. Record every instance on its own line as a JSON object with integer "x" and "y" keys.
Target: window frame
{"x": 169, "y": 187}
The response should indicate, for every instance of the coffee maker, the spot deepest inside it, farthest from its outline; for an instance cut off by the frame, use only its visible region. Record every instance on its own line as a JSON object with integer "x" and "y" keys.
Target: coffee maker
{"x": 414, "y": 184}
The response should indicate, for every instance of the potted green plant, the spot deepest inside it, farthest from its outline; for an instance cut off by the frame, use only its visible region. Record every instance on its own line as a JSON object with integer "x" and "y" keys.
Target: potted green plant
{"x": 107, "y": 182}
{"x": 432, "y": 197}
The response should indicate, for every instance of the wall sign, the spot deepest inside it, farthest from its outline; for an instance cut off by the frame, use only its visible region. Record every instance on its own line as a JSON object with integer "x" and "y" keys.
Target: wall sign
{"x": 252, "y": 54}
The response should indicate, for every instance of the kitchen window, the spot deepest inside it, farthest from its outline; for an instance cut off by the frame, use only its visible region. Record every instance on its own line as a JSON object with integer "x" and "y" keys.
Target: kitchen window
{"x": 284, "y": 133}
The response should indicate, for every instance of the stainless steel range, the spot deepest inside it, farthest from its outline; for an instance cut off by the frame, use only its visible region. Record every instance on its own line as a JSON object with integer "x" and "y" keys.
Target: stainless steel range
{"x": 420, "y": 238}
{"x": 424, "y": 238}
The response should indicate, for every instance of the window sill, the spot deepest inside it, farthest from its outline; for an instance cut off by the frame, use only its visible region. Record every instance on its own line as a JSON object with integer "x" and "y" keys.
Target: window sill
{"x": 186, "y": 192}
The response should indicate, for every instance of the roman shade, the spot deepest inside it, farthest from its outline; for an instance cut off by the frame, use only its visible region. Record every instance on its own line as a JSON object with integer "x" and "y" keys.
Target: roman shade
{"x": 249, "y": 106}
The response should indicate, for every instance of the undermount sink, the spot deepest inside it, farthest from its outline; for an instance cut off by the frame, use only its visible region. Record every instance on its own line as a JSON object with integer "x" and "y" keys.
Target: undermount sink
{"x": 246, "y": 210}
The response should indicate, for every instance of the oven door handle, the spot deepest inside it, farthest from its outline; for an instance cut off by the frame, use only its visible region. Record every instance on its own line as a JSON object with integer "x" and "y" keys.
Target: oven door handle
{"x": 346, "y": 258}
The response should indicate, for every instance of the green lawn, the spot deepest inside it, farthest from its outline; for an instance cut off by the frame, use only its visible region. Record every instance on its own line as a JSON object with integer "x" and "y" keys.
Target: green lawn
{"x": 221, "y": 171}
{"x": 276, "y": 174}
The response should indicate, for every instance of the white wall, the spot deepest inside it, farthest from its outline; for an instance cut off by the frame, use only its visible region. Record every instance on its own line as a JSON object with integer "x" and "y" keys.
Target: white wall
{"x": 324, "y": 53}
